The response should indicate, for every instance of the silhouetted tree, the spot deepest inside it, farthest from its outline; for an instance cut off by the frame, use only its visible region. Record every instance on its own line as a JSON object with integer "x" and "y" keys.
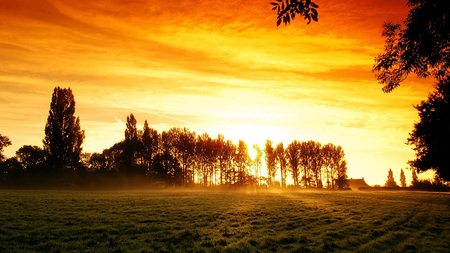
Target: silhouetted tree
{"x": 150, "y": 143}
{"x": 327, "y": 152}
{"x": 341, "y": 180}
{"x": 414, "y": 178}
{"x": 257, "y": 163}
{"x": 229, "y": 153}
{"x": 390, "y": 182}
{"x": 431, "y": 135}
{"x": 130, "y": 146}
{"x": 97, "y": 162}
{"x": 402, "y": 178}
{"x": 281, "y": 159}
{"x": 63, "y": 135}
{"x": 317, "y": 163}
{"x": 337, "y": 158}
{"x": 421, "y": 46}
{"x": 11, "y": 171}
{"x": 183, "y": 149}
{"x": 31, "y": 159}
{"x": 271, "y": 157}
{"x": 293, "y": 158}
{"x": 167, "y": 169}
{"x": 242, "y": 161}
{"x": 4, "y": 142}
{"x": 288, "y": 9}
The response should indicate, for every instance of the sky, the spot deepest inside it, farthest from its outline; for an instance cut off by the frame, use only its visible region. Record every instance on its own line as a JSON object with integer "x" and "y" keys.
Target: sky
{"x": 211, "y": 66}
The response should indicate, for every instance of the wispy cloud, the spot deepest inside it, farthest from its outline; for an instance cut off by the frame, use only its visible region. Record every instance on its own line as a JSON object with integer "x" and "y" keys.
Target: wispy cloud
{"x": 154, "y": 113}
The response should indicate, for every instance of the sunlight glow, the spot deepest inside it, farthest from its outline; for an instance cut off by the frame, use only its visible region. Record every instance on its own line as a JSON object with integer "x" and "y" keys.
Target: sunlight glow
{"x": 254, "y": 134}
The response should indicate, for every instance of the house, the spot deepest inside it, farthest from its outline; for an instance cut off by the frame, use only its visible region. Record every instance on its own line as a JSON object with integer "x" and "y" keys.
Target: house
{"x": 357, "y": 183}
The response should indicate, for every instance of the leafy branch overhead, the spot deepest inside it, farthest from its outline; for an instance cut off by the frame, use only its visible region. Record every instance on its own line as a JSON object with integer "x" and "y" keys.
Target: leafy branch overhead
{"x": 288, "y": 9}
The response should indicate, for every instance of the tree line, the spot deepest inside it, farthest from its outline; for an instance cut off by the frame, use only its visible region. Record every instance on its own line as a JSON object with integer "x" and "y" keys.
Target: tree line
{"x": 177, "y": 157}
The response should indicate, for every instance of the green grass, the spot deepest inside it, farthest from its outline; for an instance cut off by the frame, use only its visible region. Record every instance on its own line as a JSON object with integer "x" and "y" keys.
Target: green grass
{"x": 229, "y": 221}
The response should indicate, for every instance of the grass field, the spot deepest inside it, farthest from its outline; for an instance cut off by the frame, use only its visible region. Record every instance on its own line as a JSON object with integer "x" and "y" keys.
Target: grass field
{"x": 228, "y": 221}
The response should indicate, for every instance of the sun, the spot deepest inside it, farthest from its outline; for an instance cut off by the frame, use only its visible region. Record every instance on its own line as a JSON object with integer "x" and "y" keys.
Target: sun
{"x": 254, "y": 134}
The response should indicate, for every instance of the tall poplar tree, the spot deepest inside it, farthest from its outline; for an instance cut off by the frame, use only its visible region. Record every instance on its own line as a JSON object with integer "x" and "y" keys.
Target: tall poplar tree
{"x": 402, "y": 178}
{"x": 271, "y": 157}
{"x": 63, "y": 134}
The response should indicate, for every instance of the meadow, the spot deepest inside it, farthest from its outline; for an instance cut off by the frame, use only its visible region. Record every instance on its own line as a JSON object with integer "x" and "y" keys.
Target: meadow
{"x": 224, "y": 221}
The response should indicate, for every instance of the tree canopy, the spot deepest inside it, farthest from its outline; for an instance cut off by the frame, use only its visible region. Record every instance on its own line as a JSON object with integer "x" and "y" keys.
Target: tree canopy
{"x": 431, "y": 135}
{"x": 421, "y": 46}
{"x": 4, "y": 142}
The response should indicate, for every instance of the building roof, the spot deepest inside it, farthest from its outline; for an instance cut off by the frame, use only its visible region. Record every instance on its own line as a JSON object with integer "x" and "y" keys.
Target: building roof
{"x": 357, "y": 183}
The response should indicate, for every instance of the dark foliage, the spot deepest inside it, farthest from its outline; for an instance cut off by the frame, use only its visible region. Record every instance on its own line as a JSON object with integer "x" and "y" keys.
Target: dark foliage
{"x": 4, "y": 142}
{"x": 287, "y": 10}
{"x": 31, "y": 159}
{"x": 422, "y": 46}
{"x": 431, "y": 135}
{"x": 63, "y": 135}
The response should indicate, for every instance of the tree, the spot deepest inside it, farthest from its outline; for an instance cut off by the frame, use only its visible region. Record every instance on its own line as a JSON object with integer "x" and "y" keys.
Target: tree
{"x": 421, "y": 46}
{"x": 402, "y": 178}
{"x": 287, "y": 10}
{"x": 293, "y": 158}
{"x": 131, "y": 146}
{"x": 431, "y": 135}
{"x": 150, "y": 142}
{"x": 31, "y": 158}
{"x": 281, "y": 158}
{"x": 414, "y": 178}
{"x": 270, "y": 156}
{"x": 327, "y": 152}
{"x": 63, "y": 135}
{"x": 390, "y": 182}
{"x": 258, "y": 162}
{"x": 242, "y": 161}
{"x": 4, "y": 142}
{"x": 341, "y": 180}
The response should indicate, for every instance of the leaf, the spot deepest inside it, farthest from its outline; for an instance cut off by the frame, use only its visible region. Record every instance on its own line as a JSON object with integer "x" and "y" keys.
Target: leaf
{"x": 279, "y": 1}
{"x": 288, "y": 19}
{"x": 274, "y": 8}
{"x": 314, "y": 17}
{"x": 279, "y": 22}
{"x": 282, "y": 5}
{"x": 314, "y": 5}
{"x": 273, "y": 3}
{"x": 307, "y": 3}
{"x": 314, "y": 11}
{"x": 309, "y": 20}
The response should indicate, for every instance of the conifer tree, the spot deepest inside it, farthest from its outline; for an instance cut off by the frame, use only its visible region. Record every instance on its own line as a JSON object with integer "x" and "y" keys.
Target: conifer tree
{"x": 402, "y": 178}
{"x": 390, "y": 182}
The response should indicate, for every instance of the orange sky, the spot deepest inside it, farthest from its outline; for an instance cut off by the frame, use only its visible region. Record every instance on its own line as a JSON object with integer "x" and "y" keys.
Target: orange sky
{"x": 212, "y": 66}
